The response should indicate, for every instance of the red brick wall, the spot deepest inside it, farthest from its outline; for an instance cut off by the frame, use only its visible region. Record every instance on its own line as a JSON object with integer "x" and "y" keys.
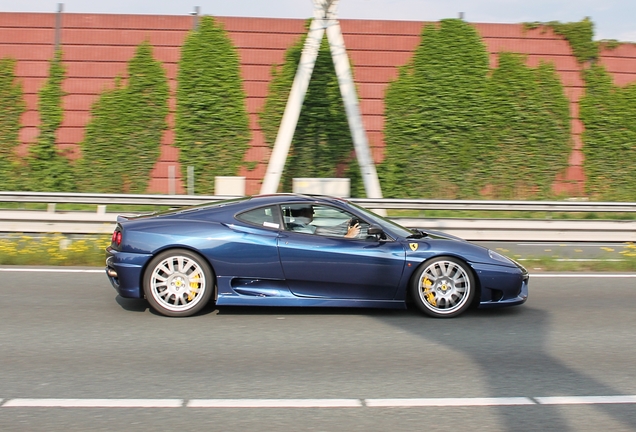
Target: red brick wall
{"x": 97, "y": 47}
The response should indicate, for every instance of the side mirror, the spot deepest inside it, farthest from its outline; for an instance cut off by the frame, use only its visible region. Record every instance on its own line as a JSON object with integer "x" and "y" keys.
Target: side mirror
{"x": 375, "y": 231}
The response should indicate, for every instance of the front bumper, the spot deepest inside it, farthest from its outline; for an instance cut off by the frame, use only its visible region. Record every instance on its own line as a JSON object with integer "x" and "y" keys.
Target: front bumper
{"x": 514, "y": 301}
{"x": 502, "y": 285}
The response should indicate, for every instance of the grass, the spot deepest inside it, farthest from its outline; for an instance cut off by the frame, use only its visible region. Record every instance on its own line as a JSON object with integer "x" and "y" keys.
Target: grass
{"x": 53, "y": 249}
{"x": 607, "y": 260}
{"x": 559, "y": 265}
{"x": 61, "y": 250}
{"x": 553, "y": 265}
{"x": 503, "y": 214}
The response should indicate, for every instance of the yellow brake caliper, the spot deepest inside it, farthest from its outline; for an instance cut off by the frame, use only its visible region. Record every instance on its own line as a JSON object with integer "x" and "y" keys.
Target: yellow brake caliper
{"x": 428, "y": 291}
{"x": 195, "y": 285}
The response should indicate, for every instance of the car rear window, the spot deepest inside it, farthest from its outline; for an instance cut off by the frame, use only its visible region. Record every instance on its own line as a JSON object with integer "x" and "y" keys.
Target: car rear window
{"x": 262, "y": 216}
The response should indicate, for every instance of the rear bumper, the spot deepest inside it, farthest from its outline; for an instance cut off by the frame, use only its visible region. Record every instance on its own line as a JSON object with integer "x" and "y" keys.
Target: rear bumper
{"x": 125, "y": 272}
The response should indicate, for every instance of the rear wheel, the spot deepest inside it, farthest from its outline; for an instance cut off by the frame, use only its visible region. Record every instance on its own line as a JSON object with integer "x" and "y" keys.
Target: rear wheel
{"x": 443, "y": 287}
{"x": 178, "y": 283}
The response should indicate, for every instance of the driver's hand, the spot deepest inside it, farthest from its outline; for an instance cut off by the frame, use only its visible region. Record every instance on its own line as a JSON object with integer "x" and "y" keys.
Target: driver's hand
{"x": 353, "y": 231}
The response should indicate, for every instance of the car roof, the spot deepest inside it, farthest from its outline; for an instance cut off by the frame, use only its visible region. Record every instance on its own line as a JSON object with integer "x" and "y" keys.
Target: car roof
{"x": 286, "y": 197}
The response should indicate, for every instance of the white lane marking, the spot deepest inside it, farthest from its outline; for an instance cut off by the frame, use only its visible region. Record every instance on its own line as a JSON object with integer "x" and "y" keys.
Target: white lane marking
{"x": 574, "y": 260}
{"x": 445, "y": 402}
{"x": 274, "y": 403}
{"x": 583, "y": 400}
{"x": 617, "y": 244}
{"x": 94, "y": 403}
{"x": 44, "y": 270}
{"x": 582, "y": 275}
{"x": 314, "y": 403}
{"x": 588, "y": 260}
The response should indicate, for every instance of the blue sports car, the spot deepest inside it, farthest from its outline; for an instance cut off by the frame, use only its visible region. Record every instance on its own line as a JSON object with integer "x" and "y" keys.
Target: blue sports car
{"x": 299, "y": 250}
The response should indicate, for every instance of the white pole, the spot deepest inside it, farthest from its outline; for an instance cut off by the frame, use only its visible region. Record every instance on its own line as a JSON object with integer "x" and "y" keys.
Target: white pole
{"x": 350, "y": 99}
{"x": 324, "y": 18}
{"x": 295, "y": 101}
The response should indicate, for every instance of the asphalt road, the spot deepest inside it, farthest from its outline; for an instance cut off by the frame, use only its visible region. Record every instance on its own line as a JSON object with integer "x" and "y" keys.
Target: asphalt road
{"x": 75, "y": 357}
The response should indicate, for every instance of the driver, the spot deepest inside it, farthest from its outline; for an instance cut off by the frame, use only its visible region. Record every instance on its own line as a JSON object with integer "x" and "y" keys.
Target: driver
{"x": 305, "y": 215}
{"x": 302, "y": 220}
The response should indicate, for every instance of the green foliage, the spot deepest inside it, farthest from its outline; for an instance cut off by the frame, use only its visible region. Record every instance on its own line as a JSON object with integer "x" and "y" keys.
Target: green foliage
{"x": 454, "y": 131}
{"x": 530, "y": 126}
{"x": 212, "y": 125}
{"x": 579, "y": 34}
{"x": 12, "y": 106}
{"x": 52, "y": 249}
{"x": 322, "y": 145}
{"x": 123, "y": 137}
{"x": 608, "y": 113}
{"x": 609, "y": 44}
{"x": 436, "y": 117}
{"x": 50, "y": 170}
{"x": 532, "y": 25}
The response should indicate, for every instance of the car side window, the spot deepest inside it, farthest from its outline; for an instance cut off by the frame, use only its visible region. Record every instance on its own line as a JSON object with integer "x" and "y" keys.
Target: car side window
{"x": 321, "y": 220}
{"x": 262, "y": 216}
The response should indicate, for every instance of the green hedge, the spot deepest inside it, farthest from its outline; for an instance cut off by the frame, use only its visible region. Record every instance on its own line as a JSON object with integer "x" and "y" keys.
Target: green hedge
{"x": 12, "y": 106}
{"x": 530, "y": 126}
{"x": 608, "y": 113}
{"x": 123, "y": 137}
{"x": 579, "y": 35}
{"x": 436, "y": 117}
{"x": 454, "y": 129}
{"x": 322, "y": 145}
{"x": 49, "y": 169}
{"x": 212, "y": 125}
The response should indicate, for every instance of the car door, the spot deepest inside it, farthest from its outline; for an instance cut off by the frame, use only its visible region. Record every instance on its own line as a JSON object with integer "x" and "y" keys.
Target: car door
{"x": 253, "y": 251}
{"x": 331, "y": 266}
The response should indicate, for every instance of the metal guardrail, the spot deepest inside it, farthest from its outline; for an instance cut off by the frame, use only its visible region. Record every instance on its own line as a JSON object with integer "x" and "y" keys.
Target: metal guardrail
{"x": 381, "y": 203}
{"x": 470, "y": 229}
{"x": 479, "y": 205}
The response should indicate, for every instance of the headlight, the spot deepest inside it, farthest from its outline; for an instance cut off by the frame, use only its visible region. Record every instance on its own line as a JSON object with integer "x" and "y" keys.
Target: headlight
{"x": 499, "y": 257}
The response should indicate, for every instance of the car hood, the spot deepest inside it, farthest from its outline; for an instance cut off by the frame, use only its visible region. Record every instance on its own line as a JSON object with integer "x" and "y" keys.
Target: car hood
{"x": 442, "y": 235}
{"x": 437, "y": 235}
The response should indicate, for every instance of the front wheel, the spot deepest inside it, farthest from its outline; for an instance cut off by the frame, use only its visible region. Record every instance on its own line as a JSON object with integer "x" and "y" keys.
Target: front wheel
{"x": 178, "y": 283}
{"x": 443, "y": 287}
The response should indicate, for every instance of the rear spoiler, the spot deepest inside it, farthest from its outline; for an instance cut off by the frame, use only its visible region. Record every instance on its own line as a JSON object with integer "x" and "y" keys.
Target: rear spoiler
{"x": 126, "y": 217}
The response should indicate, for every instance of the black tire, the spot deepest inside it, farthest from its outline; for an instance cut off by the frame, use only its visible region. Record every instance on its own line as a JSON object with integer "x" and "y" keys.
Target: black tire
{"x": 443, "y": 287}
{"x": 178, "y": 283}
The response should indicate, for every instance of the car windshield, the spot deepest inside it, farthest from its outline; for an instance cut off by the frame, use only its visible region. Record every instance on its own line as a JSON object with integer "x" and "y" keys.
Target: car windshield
{"x": 375, "y": 218}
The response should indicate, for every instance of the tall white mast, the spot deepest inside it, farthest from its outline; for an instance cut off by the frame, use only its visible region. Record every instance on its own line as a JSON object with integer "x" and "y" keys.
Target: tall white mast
{"x": 324, "y": 19}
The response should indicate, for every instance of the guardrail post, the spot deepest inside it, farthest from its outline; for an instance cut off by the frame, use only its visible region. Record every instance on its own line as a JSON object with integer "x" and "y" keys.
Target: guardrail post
{"x": 172, "y": 189}
{"x": 190, "y": 180}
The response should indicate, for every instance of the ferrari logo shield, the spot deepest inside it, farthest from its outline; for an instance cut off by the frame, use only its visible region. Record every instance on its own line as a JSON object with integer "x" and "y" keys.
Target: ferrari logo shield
{"x": 413, "y": 246}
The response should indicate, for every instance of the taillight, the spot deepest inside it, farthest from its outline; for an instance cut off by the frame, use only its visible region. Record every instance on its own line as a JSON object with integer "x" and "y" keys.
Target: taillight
{"x": 116, "y": 238}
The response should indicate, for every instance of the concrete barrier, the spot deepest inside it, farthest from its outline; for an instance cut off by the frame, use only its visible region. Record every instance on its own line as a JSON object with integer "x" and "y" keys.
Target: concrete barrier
{"x": 23, "y": 221}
